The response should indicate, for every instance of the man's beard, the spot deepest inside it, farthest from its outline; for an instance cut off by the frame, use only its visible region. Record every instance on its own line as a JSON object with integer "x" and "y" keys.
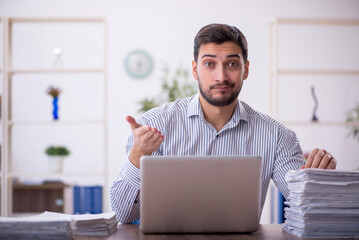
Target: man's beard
{"x": 219, "y": 102}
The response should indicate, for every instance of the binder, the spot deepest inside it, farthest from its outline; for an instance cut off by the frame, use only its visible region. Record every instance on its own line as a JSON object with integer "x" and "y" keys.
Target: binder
{"x": 97, "y": 199}
{"x": 87, "y": 199}
{"x": 281, "y": 207}
{"x": 77, "y": 200}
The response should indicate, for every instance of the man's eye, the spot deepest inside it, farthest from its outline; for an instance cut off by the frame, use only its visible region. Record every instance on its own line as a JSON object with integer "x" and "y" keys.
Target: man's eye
{"x": 232, "y": 64}
{"x": 208, "y": 64}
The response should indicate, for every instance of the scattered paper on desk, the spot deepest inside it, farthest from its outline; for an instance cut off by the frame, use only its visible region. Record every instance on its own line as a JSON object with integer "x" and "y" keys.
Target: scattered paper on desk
{"x": 322, "y": 204}
{"x": 50, "y": 225}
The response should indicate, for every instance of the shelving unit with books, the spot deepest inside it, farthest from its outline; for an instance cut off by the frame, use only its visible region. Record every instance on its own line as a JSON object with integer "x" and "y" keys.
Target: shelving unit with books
{"x": 71, "y": 54}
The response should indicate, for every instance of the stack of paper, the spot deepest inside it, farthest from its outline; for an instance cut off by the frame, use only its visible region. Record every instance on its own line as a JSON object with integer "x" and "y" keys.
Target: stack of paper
{"x": 102, "y": 224}
{"x": 322, "y": 204}
{"x": 34, "y": 228}
{"x": 53, "y": 226}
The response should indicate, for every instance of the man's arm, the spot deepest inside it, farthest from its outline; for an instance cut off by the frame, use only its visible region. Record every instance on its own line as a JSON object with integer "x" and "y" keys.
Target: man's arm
{"x": 124, "y": 191}
{"x": 124, "y": 194}
{"x": 289, "y": 156}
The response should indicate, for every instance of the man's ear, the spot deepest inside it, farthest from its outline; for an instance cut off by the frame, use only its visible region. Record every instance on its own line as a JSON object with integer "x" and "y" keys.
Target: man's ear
{"x": 194, "y": 69}
{"x": 246, "y": 70}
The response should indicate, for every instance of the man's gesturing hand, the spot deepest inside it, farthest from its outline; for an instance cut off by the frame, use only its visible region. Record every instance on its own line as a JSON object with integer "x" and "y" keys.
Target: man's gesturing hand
{"x": 146, "y": 141}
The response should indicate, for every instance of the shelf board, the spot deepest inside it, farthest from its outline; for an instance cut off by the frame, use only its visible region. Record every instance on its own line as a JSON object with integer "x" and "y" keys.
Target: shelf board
{"x": 59, "y": 122}
{"x": 319, "y": 123}
{"x": 55, "y": 19}
{"x": 41, "y": 71}
{"x": 52, "y": 185}
{"x": 319, "y": 21}
{"x": 316, "y": 72}
{"x": 47, "y": 174}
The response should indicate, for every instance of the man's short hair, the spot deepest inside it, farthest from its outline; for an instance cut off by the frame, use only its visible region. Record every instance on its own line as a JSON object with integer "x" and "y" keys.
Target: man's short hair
{"x": 220, "y": 33}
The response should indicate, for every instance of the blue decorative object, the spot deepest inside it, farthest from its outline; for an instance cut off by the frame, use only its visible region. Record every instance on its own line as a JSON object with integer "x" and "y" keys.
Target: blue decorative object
{"x": 56, "y": 108}
{"x": 54, "y": 93}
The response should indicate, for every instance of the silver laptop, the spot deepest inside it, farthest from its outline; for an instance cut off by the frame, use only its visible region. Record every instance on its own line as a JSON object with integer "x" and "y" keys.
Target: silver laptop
{"x": 199, "y": 194}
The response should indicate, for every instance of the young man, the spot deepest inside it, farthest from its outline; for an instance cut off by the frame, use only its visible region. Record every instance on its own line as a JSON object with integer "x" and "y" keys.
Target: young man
{"x": 213, "y": 122}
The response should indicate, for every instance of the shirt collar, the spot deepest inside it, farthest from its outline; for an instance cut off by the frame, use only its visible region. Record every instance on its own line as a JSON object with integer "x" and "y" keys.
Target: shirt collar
{"x": 194, "y": 109}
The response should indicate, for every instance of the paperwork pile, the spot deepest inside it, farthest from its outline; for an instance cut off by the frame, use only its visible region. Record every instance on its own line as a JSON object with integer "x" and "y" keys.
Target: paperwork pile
{"x": 102, "y": 224}
{"x": 34, "y": 228}
{"x": 50, "y": 225}
{"x": 322, "y": 204}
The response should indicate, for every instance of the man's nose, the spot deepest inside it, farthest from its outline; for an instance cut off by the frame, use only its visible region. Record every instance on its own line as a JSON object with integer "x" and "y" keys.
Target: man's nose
{"x": 221, "y": 75}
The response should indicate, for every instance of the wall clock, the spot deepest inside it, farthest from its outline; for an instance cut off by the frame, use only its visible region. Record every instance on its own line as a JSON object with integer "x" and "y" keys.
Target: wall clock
{"x": 139, "y": 64}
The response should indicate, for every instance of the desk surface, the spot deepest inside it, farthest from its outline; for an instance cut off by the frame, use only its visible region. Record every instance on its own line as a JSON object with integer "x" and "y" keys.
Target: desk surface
{"x": 132, "y": 232}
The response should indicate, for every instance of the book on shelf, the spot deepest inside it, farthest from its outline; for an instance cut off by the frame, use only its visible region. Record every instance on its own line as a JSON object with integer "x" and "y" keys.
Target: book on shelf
{"x": 87, "y": 199}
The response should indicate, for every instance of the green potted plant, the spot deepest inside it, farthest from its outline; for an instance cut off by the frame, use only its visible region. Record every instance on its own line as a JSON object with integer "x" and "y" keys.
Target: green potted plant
{"x": 56, "y": 156}
{"x": 352, "y": 120}
{"x": 174, "y": 86}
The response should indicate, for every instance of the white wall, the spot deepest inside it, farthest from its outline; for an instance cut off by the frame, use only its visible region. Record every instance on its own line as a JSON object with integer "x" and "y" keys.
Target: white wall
{"x": 166, "y": 29}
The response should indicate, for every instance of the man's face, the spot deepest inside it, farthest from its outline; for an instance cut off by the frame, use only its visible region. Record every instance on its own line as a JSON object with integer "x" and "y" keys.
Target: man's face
{"x": 220, "y": 71}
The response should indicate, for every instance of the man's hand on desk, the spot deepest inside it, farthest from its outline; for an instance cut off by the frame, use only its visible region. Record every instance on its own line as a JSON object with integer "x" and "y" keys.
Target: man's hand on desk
{"x": 320, "y": 159}
{"x": 146, "y": 141}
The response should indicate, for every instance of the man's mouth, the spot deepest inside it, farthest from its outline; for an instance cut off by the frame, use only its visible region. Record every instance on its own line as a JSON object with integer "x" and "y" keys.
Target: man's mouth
{"x": 221, "y": 86}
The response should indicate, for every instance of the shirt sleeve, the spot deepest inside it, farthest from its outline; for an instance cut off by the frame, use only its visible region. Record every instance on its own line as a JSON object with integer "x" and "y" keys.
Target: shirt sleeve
{"x": 124, "y": 194}
{"x": 125, "y": 190}
{"x": 289, "y": 156}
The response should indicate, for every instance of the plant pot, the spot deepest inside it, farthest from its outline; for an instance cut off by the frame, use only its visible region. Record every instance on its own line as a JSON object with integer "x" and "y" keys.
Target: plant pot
{"x": 56, "y": 164}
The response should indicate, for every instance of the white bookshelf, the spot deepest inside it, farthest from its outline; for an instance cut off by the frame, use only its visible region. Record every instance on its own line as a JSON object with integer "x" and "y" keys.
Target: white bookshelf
{"x": 4, "y": 162}
{"x": 277, "y": 71}
{"x": 319, "y": 72}
{"x": 322, "y": 53}
{"x": 9, "y": 72}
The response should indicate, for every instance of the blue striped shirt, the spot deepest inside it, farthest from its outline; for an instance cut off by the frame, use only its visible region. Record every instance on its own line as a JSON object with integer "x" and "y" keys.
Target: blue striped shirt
{"x": 188, "y": 133}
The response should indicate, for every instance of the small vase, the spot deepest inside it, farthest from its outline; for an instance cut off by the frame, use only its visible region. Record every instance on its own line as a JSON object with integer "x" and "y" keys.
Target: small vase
{"x": 56, "y": 108}
{"x": 56, "y": 164}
